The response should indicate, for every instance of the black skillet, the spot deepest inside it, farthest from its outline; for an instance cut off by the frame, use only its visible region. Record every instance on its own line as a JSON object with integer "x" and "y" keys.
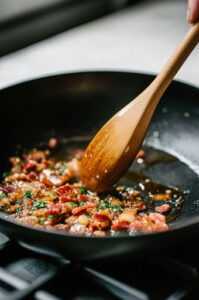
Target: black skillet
{"x": 76, "y": 105}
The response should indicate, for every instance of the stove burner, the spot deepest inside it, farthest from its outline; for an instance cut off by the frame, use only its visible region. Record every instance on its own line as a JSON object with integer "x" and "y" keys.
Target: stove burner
{"x": 25, "y": 274}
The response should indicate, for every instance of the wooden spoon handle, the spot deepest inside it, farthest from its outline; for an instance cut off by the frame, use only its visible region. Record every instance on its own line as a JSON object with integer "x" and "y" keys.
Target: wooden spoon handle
{"x": 167, "y": 73}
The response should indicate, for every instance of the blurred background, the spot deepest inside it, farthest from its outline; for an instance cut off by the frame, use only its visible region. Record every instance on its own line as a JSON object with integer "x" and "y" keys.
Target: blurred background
{"x": 39, "y": 37}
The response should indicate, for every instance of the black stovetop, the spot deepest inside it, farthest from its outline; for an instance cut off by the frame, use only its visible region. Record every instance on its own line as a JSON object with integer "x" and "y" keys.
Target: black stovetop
{"x": 25, "y": 274}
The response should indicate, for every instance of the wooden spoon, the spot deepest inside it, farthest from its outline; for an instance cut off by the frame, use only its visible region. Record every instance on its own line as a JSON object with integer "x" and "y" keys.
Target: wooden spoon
{"x": 116, "y": 144}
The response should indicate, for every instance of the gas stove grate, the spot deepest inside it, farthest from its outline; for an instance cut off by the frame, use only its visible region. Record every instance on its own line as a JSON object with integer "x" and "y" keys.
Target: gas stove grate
{"x": 28, "y": 275}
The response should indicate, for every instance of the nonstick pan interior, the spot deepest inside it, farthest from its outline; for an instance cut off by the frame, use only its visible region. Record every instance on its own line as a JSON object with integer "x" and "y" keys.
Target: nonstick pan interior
{"x": 76, "y": 105}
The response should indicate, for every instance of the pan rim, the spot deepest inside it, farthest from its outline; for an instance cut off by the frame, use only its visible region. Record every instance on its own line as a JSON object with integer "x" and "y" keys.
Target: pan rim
{"x": 91, "y": 71}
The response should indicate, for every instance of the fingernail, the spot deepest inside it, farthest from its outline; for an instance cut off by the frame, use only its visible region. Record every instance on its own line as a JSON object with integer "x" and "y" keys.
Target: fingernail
{"x": 188, "y": 14}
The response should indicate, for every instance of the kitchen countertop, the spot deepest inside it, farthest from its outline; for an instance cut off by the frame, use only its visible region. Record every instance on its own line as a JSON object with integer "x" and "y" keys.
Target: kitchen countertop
{"x": 138, "y": 38}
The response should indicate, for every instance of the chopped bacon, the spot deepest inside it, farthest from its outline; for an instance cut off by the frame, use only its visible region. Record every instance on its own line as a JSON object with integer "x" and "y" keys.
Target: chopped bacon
{"x": 163, "y": 208}
{"x": 160, "y": 222}
{"x": 140, "y": 154}
{"x": 54, "y": 209}
{"x": 64, "y": 199}
{"x": 32, "y": 176}
{"x": 65, "y": 189}
{"x": 139, "y": 205}
{"x": 83, "y": 198}
{"x": 77, "y": 210}
{"x": 29, "y": 165}
{"x": 15, "y": 160}
{"x": 100, "y": 221}
{"x": 101, "y": 217}
{"x": 48, "y": 194}
{"x": 121, "y": 225}
{"x": 6, "y": 188}
{"x": 157, "y": 217}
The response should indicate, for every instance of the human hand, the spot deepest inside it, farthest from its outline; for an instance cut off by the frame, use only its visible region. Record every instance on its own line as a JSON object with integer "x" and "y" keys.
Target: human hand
{"x": 193, "y": 11}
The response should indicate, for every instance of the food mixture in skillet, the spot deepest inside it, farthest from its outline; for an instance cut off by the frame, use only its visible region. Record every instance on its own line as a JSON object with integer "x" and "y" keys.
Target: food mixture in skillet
{"x": 42, "y": 192}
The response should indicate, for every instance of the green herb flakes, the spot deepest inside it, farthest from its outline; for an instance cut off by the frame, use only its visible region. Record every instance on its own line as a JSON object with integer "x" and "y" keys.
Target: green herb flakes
{"x": 83, "y": 190}
{"x": 106, "y": 203}
{"x": 2, "y": 195}
{"x": 39, "y": 204}
{"x": 73, "y": 204}
{"x": 28, "y": 194}
{"x": 41, "y": 220}
{"x": 51, "y": 217}
{"x": 117, "y": 208}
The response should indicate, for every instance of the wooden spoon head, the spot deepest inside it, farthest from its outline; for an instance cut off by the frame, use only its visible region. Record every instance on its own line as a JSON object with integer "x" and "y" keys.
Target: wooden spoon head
{"x": 108, "y": 155}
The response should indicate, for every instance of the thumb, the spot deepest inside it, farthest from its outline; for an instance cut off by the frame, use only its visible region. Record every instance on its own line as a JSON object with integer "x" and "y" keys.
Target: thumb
{"x": 193, "y": 11}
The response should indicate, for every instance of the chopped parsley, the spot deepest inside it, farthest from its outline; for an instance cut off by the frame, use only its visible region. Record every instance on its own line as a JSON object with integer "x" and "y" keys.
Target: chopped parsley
{"x": 53, "y": 194}
{"x": 117, "y": 208}
{"x": 62, "y": 170}
{"x": 82, "y": 203}
{"x": 83, "y": 190}
{"x": 41, "y": 220}
{"x": 51, "y": 217}
{"x": 106, "y": 203}
{"x": 28, "y": 194}
{"x": 73, "y": 204}
{"x": 2, "y": 195}
{"x": 39, "y": 204}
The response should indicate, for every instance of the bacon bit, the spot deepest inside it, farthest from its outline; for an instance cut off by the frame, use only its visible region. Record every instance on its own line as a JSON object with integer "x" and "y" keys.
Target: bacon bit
{"x": 63, "y": 199}
{"x": 122, "y": 225}
{"x": 140, "y": 154}
{"x": 128, "y": 215}
{"x": 156, "y": 217}
{"x": 100, "y": 221}
{"x": 139, "y": 205}
{"x": 101, "y": 217}
{"x": 161, "y": 197}
{"x": 77, "y": 210}
{"x": 6, "y": 188}
{"x": 32, "y": 176}
{"x": 21, "y": 177}
{"x": 51, "y": 180}
{"x": 15, "y": 160}
{"x": 65, "y": 189}
{"x": 53, "y": 143}
{"x": 39, "y": 155}
{"x": 83, "y": 198}
{"x": 54, "y": 209}
{"x": 29, "y": 165}
{"x": 160, "y": 222}
{"x": 163, "y": 208}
